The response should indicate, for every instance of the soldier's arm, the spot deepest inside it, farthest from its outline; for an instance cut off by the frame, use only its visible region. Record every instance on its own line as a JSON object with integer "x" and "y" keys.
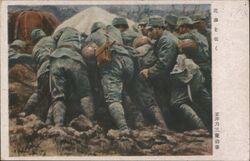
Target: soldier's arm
{"x": 185, "y": 36}
{"x": 166, "y": 58}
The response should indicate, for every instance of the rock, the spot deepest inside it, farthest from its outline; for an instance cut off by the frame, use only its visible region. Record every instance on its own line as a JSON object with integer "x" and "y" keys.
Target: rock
{"x": 56, "y": 131}
{"x": 72, "y": 132}
{"x": 145, "y": 152}
{"x": 198, "y": 132}
{"x": 116, "y": 134}
{"x": 125, "y": 145}
{"x": 42, "y": 132}
{"x": 180, "y": 150}
{"x": 169, "y": 138}
{"x": 31, "y": 137}
{"x": 161, "y": 149}
{"x": 99, "y": 144}
{"x": 81, "y": 123}
{"x": 48, "y": 146}
{"x": 91, "y": 133}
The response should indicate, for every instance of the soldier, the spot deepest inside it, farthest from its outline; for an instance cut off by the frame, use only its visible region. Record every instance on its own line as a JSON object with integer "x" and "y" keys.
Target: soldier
{"x": 201, "y": 55}
{"x": 166, "y": 50}
{"x": 44, "y": 46}
{"x": 170, "y": 21}
{"x": 17, "y": 54}
{"x": 188, "y": 90}
{"x": 142, "y": 26}
{"x": 116, "y": 70}
{"x": 69, "y": 77}
{"x": 96, "y": 26}
{"x": 36, "y": 35}
{"x": 142, "y": 91}
{"x": 128, "y": 35}
{"x": 200, "y": 23}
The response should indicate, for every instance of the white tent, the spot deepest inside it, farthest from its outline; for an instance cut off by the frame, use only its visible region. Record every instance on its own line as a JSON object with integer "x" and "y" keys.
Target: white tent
{"x": 83, "y": 20}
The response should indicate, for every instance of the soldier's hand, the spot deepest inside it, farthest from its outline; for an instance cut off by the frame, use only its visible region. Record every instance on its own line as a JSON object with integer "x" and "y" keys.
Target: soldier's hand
{"x": 145, "y": 73}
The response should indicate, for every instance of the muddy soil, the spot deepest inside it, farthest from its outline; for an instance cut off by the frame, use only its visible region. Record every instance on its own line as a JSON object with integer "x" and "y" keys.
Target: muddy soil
{"x": 30, "y": 136}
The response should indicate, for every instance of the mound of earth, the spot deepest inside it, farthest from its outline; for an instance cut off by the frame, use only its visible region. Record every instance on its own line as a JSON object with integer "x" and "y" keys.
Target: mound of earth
{"x": 30, "y": 136}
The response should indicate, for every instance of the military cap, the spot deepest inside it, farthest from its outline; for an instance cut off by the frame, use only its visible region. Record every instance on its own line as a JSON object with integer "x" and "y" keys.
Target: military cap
{"x": 155, "y": 21}
{"x": 198, "y": 17}
{"x": 119, "y": 21}
{"x": 96, "y": 26}
{"x": 18, "y": 43}
{"x": 184, "y": 21}
{"x": 171, "y": 19}
{"x": 37, "y": 34}
{"x": 143, "y": 21}
{"x": 109, "y": 33}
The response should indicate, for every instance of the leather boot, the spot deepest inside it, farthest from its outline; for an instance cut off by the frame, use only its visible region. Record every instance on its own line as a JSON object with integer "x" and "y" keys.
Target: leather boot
{"x": 117, "y": 113}
{"x": 49, "y": 118}
{"x": 31, "y": 104}
{"x": 155, "y": 112}
{"x": 59, "y": 109}
{"x": 191, "y": 116}
{"x": 87, "y": 106}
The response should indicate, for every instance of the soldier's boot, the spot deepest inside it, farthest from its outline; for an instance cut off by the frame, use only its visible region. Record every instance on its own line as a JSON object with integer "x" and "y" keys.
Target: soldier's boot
{"x": 191, "y": 117}
{"x": 135, "y": 117}
{"x": 117, "y": 113}
{"x": 139, "y": 120}
{"x": 59, "y": 109}
{"x": 49, "y": 118}
{"x": 30, "y": 105}
{"x": 87, "y": 105}
{"x": 155, "y": 112}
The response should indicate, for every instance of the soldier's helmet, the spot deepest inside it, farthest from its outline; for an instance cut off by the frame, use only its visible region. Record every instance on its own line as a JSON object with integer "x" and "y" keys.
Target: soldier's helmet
{"x": 155, "y": 21}
{"x": 18, "y": 43}
{"x": 37, "y": 34}
{"x": 198, "y": 17}
{"x": 143, "y": 21}
{"x": 119, "y": 21}
{"x": 171, "y": 19}
{"x": 96, "y": 26}
{"x": 184, "y": 21}
{"x": 100, "y": 36}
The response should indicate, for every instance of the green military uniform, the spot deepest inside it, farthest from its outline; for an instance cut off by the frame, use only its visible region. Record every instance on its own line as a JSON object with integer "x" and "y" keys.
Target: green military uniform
{"x": 201, "y": 55}
{"x": 166, "y": 50}
{"x": 206, "y": 32}
{"x": 41, "y": 52}
{"x": 142, "y": 25}
{"x": 69, "y": 77}
{"x": 187, "y": 89}
{"x": 142, "y": 91}
{"x": 36, "y": 35}
{"x": 17, "y": 55}
{"x": 96, "y": 26}
{"x": 171, "y": 21}
{"x": 115, "y": 74}
{"x": 128, "y": 35}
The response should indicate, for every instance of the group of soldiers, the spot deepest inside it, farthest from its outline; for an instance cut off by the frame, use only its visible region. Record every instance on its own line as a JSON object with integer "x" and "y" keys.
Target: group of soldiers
{"x": 162, "y": 66}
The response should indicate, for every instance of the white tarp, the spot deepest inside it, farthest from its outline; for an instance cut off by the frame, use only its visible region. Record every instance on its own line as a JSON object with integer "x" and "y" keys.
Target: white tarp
{"x": 83, "y": 20}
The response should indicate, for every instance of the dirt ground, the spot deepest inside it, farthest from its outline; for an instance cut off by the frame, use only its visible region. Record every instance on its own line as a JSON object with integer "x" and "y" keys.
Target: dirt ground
{"x": 30, "y": 136}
